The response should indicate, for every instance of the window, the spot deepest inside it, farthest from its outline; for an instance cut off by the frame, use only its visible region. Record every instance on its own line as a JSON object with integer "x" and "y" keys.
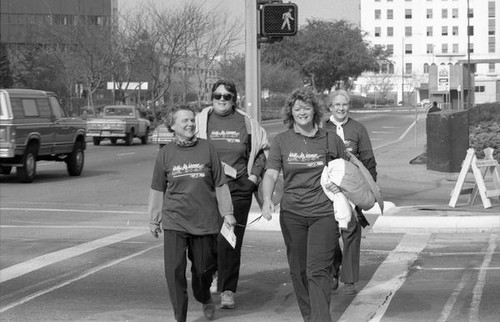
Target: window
{"x": 377, "y": 31}
{"x": 444, "y": 31}
{"x": 429, "y": 13}
{"x": 444, "y": 48}
{"x": 491, "y": 27}
{"x": 429, "y": 31}
{"x": 491, "y": 67}
{"x": 471, "y": 31}
{"x": 430, "y": 48}
{"x": 491, "y": 44}
{"x": 407, "y": 13}
{"x": 377, "y": 14}
{"x": 408, "y": 49}
{"x": 383, "y": 69}
{"x": 454, "y": 13}
{"x": 408, "y": 31}
{"x": 408, "y": 68}
{"x": 29, "y": 107}
{"x": 390, "y": 14}
{"x": 426, "y": 68}
{"x": 454, "y": 31}
{"x": 444, "y": 13}
{"x": 390, "y": 31}
{"x": 479, "y": 89}
{"x": 455, "y": 48}
{"x": 391, "y": 68}
{"x": 390, "y": 49}
{"x": 491, "y": 9}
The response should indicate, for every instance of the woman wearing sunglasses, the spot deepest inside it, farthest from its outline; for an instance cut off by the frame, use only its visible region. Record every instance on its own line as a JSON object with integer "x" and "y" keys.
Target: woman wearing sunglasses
{"x": 187, "y": 198}
{"x": 241, "y": 144}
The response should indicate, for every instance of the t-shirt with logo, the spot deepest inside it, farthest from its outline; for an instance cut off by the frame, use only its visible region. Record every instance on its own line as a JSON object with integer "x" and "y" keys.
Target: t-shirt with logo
{"x": 188, "y": 177}
{"x": 356, "y": 138}
{"x": 228, "y": 134}
{"x": 302, "y": 160}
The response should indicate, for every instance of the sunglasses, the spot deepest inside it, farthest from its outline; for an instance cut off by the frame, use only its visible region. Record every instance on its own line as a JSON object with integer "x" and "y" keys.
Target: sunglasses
{"x": 227, "y": 97}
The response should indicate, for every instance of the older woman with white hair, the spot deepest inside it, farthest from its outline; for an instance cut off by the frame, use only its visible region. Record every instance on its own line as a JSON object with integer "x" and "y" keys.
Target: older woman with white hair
{"x": 357, "y": 141}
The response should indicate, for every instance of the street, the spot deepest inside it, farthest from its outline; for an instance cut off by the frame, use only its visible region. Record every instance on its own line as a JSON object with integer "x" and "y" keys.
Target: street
{"x": 78, "y": 248}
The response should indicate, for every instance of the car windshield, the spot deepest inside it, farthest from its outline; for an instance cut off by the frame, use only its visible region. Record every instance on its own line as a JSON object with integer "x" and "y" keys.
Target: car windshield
{"x": 118, "y": 111}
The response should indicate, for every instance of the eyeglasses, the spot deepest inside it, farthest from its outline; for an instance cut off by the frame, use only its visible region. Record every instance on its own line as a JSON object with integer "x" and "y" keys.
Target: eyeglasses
{"x": 218, "y": 96}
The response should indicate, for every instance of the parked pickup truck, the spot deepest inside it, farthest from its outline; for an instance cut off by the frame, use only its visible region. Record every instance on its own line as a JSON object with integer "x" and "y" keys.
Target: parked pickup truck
{"x": 118, "y": 122}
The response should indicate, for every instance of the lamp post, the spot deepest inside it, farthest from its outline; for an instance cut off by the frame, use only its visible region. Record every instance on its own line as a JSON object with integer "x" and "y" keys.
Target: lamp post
{"x": 468, "y": 58}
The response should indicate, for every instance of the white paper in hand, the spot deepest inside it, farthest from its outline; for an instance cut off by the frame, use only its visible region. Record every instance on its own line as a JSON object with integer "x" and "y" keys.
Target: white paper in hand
{"x": 228, "y": 232}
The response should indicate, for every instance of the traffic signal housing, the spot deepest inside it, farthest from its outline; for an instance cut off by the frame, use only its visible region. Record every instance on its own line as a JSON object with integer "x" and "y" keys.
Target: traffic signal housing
{"x": 278, "y": 19}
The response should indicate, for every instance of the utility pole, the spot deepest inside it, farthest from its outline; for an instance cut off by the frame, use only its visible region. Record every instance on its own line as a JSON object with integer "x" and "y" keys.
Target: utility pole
{"x": 252, "y": 76}
{"x": 468, "y": 58}
{"x": 403, "y": 71}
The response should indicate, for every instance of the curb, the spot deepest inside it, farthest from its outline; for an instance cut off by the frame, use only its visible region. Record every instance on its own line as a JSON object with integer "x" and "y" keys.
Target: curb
{"x": 408, "y": 220}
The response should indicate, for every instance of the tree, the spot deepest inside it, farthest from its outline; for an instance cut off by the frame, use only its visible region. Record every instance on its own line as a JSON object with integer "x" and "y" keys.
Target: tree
{"x": 6, "y": 80}
{"x": 326, "y": 53}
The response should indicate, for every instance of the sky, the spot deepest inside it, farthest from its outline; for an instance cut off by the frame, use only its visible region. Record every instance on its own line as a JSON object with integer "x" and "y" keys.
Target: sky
{"x": 322, "y": 9}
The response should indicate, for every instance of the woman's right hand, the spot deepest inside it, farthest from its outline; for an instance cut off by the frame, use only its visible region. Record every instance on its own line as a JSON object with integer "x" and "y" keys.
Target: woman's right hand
{"x": 267, "y": 209}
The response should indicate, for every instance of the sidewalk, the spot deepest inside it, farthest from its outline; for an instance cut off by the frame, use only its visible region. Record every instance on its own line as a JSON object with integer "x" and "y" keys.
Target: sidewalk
{"x": 423, "y": 195}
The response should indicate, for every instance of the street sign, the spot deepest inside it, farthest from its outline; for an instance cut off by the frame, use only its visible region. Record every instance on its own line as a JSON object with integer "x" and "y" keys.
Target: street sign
{"x": 443, "y": 76}
{"x": 279, "y": 19}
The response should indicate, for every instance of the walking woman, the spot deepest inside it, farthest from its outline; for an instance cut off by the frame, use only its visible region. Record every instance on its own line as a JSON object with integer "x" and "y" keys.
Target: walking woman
{"x": 307, "y": 222}
{"x": 357, "y": 141}
{"x": 187, "y": 199}
{"x": 241, "y": 144}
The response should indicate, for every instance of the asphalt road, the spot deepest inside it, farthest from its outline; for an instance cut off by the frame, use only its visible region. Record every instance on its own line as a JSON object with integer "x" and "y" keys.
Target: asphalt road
{"x": 79, "y": 249}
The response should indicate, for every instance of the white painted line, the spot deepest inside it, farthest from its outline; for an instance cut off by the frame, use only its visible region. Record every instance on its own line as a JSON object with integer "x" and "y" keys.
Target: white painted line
{"x": 372, "y": 301}
{"x": 74, "y": 227}
{"x": 82, "y": 276}
{"x": 477, "y": 293}
{"x": 54, "y": 257}
{"x": 399, "y": 139}
{"x": 381, "y": 132}
{"x": 127, "y": 153}
{"x": 443, "y": 269}
{"x": 452, "y": 300}
{"x": 76, "y": 210}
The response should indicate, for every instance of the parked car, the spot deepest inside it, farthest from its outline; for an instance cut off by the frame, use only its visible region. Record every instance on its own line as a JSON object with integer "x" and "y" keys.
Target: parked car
{"x": 118, "y": 122}
{"x": 161, "y": 135}
{"x": 34, "y": 127}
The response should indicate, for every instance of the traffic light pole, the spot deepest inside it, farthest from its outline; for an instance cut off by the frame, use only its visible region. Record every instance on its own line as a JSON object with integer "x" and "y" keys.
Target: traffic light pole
{"x": 252, "y": 61}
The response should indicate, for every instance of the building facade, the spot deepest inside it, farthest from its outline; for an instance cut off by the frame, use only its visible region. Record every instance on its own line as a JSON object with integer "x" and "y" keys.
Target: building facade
{"x": 20, "y": 19}
{"x": 425, "y": 33}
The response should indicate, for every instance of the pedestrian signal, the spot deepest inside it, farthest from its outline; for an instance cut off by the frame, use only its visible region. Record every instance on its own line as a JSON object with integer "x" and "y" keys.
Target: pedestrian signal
{"x": 279, "y": 19}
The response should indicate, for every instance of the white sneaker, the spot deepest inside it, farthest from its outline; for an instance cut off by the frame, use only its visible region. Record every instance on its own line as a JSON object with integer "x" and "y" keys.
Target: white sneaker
{"x": 213, "y": 286}
{"x": 227, "y": 300}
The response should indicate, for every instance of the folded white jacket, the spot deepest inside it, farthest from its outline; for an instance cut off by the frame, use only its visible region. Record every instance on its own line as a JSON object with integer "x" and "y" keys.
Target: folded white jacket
{"x": 350, "y": 180}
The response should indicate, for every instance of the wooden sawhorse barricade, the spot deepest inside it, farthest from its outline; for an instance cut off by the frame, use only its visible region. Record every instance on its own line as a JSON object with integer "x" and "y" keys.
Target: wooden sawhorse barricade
{"x": 480, "y": 168}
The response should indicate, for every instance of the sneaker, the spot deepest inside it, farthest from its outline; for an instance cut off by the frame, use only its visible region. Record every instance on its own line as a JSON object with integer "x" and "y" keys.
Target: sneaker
{"x": 335, "y": 283}
{"x": 227, "y": 300}
{"x": 209, "y": 309}
{"x": 350, "y": 288}
{"x": 213, "y": 286}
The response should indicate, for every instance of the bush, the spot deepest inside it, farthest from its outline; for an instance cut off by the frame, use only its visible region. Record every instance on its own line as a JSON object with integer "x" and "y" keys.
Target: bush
{"x": 484, "y": 129}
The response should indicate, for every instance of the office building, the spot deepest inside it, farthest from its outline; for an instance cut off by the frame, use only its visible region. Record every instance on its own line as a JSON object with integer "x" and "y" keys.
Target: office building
{"x": 422, "y": 34}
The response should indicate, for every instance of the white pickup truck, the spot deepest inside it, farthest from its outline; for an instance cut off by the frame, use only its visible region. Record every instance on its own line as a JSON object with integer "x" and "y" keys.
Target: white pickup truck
{"x": 118, "y": 122}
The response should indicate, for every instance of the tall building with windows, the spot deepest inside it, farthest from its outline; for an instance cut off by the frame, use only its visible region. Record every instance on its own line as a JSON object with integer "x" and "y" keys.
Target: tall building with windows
{"x": 20, "y": 19}
{"x": 423, "y": 33}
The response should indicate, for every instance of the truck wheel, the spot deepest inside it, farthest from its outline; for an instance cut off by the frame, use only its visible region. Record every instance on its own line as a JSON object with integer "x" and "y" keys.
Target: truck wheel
{"x": 26, "y": 173}
{"x": 113, "y": 141}
{"x": 5, "y": 170}
{"x": 144, "y": 139}
{"x": 96, "y": 141}
{"x": 75, "y": 160}
{"x": 129, "y": 138}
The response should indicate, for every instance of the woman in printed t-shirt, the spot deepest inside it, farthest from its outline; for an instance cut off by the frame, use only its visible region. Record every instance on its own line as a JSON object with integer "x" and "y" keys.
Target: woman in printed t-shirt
{"x": 188, "y": 196}
{"x": 307, "y": 222}
{"x": 240, "y": 143}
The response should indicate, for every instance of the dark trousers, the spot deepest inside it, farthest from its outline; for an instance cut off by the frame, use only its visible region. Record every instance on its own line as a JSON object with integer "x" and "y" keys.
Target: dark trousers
{"x": 201, "y": 251}
{"x": 229, "y": 258}
{"x": 347, "y": 260}
{"x": 309, "y": 244}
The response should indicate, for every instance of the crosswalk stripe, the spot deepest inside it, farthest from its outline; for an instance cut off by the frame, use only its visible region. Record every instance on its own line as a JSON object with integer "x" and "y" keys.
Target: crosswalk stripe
{"x": 54, "y": 257}
{"x": 372, "y": 301}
